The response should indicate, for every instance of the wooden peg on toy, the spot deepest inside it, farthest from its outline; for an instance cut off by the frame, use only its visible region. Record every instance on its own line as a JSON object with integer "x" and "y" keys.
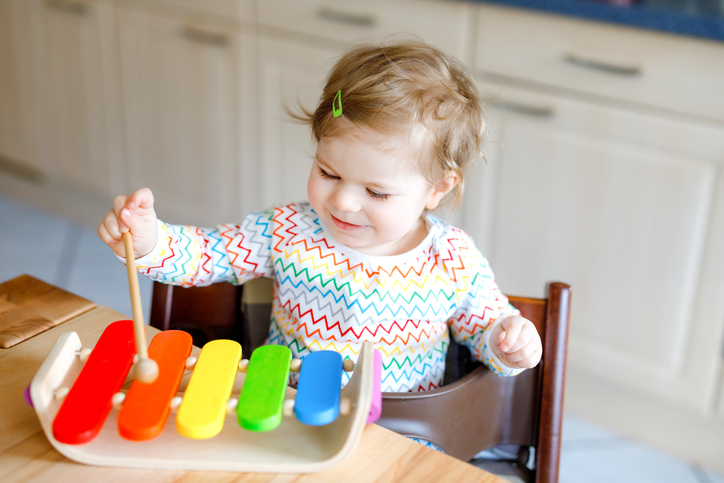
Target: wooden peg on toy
{"x": 262, "y": 397}
{"x": 60, "y": 393}
{"x": 231, "y": 405}
{"x": 345, "y": 406}
{"x": 117, "y": 400}
{"x": 202, "y": 411}
{"x": 288, "y": 407}
{"x": 146, "y": 370}
{"x": 83, "y": 354}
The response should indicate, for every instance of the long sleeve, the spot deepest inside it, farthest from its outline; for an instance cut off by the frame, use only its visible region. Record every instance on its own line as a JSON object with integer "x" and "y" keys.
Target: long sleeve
{"x": 188, "y": 255}
{"x": 481, "y": 305}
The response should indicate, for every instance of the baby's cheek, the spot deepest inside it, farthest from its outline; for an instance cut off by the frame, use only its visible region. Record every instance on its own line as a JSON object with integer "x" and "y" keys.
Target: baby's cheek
{"x": 314, "y": 196}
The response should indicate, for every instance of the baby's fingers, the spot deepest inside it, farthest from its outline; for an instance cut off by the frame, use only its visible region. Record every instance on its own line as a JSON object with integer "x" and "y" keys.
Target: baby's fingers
{"x": 109, "y": 229}
{"x": 141, "y": 199}
{"x": 511, "y": 327}
{"x": 528, "y": 351}
{"x": 130, "y": 221}
{"x": 525, "y": 336}
{"x": 119, "y": 205}
{"x": 529, "y": 356}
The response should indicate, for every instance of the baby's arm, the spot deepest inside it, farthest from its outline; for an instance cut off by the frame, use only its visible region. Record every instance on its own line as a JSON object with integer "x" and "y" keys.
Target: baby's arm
{"x": 188, "y": 255}
{"x": 486, "y": 322}
{"x": 476, "y": 320}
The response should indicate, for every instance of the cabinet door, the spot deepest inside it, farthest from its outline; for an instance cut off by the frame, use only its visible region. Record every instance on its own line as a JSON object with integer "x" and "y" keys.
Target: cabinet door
{"x": 71, "y": 57}
{"x": 627, "y": 209}
{"x": 289, "y": 75}
{"x": 181, "y": 86}
{"x": 11, "y": 133}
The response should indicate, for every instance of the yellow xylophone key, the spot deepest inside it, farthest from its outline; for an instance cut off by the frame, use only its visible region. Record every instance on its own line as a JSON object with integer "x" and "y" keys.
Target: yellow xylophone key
{"x": 203, "y": 409}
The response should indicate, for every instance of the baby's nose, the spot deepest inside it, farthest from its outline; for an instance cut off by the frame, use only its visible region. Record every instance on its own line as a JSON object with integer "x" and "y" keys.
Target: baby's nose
{"x": 345, "y": 199}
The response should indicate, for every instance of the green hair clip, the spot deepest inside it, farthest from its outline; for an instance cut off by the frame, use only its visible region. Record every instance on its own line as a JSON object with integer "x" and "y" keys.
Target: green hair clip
{"x": 337, "y": 104}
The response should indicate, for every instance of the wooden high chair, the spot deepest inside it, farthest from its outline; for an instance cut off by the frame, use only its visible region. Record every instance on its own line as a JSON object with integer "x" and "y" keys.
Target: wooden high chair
{"x": 474, "y": 411}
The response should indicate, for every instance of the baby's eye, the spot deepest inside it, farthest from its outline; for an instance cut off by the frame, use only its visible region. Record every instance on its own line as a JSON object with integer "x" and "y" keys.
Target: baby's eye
{"x": 326, "y": 175}
{"x": 377, "y": 196}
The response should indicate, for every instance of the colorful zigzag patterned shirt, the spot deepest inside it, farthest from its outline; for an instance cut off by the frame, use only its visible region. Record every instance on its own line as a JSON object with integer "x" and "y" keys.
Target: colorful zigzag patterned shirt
{"x": 330, "y": 297}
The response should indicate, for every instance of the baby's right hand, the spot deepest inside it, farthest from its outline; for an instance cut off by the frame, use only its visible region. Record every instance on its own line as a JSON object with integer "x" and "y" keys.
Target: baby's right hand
{"x": 134, "y": 213}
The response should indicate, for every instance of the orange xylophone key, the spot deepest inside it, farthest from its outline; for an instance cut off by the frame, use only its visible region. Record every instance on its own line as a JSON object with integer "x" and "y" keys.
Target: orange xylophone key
{"x": 147, "y": 406}
{"x": 85, "y": 408}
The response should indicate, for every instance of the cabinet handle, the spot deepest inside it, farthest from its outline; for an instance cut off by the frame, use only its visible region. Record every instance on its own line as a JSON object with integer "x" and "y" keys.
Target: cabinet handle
{"x": 349, "y": 18}
{"x": 527, "y": 109}
{"x": 21, "y": 170}
{"x": 205, "y": 36}
{"x": 612, "y": 67}
{"x": 75, "y": 7}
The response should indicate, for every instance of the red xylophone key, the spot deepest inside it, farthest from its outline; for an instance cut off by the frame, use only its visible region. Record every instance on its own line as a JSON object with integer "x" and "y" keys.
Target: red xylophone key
{"x": 88, "y": 403}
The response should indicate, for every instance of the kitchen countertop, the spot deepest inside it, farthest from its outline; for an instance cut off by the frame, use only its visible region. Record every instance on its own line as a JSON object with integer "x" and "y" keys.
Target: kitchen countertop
{"x": 697, "y": 18}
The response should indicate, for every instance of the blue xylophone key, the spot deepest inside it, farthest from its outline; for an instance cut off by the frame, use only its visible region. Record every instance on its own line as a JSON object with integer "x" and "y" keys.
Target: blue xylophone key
{"x": 317, "y": 401}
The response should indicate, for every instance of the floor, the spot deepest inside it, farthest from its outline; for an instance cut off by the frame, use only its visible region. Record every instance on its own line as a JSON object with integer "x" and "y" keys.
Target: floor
{"x": 73, "y": 257}
{"x": 64, "y": 254}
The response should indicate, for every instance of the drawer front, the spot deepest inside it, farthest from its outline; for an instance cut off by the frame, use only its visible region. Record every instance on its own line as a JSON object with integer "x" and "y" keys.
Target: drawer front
{"x": 668, "y": 133}
{"x": 231, "y": 9}
{"x": 659, "y": 70}
{"x": 445, "y": 24}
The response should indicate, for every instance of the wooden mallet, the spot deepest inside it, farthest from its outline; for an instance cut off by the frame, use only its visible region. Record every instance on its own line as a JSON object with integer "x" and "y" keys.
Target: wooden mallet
{"x": 146, "y": 369}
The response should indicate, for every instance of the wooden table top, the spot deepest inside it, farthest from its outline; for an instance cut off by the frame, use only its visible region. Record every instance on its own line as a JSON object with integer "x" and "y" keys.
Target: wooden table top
{"x": 26, "y": 454}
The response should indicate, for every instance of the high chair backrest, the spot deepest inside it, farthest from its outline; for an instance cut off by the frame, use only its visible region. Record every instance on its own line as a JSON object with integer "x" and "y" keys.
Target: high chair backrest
{"x": 475, "y": 411}
{"x": 218, "y": 311}
{"x": 207, "y": 313}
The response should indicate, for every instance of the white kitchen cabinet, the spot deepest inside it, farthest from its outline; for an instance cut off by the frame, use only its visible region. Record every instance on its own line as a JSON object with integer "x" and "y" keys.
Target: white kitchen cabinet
{"x": 291, "y": 75}
{"x": 619, "y": 205}
{"x": 68, "y": 56}
{"x": 606, "y": 151}
{"x": 339, "y": 24}
{"x": 628, "y": 208}
{"x": 636, "y": 67}
{"x": 12, "y": 146}
{"x": 182, "y": 87}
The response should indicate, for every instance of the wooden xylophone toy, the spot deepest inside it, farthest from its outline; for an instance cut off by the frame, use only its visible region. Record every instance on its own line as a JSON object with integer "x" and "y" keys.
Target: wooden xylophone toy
{"x": 87, "y": 418}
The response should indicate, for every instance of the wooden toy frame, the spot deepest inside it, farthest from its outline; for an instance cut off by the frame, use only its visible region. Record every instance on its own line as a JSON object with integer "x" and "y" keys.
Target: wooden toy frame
{"x": 290, "y": 448}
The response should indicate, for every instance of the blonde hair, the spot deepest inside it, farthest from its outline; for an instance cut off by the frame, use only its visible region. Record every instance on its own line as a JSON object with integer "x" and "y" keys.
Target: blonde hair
{"x": 395, "y": 88}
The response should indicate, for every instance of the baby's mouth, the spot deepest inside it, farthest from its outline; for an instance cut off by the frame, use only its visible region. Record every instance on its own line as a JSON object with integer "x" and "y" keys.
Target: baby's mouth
{"x": 343, "y": 225}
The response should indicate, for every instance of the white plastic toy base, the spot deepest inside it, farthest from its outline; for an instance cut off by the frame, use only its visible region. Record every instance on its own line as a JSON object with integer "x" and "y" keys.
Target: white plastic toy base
{"x": 290, "y": 448}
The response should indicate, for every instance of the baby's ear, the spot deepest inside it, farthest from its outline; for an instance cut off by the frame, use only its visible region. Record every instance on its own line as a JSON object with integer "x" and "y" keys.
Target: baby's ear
{"x": 440, "y": 189}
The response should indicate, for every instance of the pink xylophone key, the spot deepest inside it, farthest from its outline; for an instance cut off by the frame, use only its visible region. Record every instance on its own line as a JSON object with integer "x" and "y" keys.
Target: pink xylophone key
{"x": 376, "y": 406}
{"x": 88, "y": 403}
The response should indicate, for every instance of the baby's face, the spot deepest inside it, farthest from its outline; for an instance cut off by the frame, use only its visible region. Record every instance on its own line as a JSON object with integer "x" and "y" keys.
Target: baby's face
{"x": 367, "y": 190}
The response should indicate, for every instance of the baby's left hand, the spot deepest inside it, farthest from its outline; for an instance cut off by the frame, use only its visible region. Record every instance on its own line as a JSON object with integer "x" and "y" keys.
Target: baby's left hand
{"x": 516, "y": 342}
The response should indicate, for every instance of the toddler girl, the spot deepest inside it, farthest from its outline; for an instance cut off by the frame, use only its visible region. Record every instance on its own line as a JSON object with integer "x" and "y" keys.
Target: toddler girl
{"x": 363, "y": 260}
